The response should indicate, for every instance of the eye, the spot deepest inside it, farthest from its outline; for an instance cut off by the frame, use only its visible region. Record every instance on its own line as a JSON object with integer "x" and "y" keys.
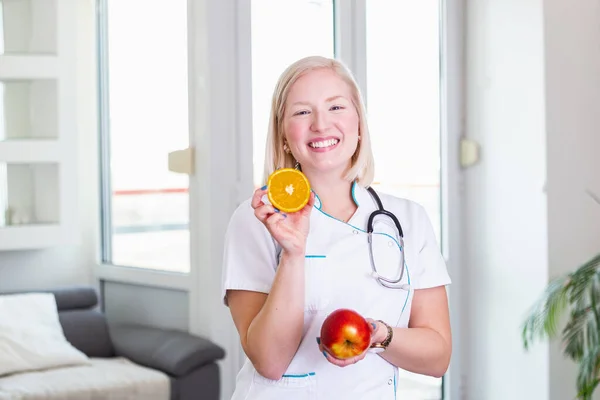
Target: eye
{"x": 303, "y": 112}
{"x": 336, "y": 108}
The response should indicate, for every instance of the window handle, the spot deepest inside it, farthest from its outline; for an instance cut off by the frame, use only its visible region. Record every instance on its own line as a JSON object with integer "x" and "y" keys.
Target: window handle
{"x": 182, "y": 161}
{"x": 469, "y": 153}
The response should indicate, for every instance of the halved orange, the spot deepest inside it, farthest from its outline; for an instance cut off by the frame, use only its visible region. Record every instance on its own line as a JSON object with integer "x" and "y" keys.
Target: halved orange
{"x": 288, "y": 190}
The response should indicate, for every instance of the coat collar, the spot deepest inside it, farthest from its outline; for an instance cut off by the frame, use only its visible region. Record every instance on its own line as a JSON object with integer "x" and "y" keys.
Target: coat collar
{"x": 360, "y": 195}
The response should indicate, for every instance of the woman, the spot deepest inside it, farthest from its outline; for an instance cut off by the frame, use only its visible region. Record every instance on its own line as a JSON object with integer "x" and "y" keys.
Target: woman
{"x": 284, "y": 274}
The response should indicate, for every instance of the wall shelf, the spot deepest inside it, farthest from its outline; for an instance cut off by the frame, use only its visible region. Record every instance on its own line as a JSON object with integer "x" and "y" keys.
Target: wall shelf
{"x": 28, "y": 151}
{"x": 38, "y": 125}
{"x": 31, "y": 237}
{"x": 29, "y": 67}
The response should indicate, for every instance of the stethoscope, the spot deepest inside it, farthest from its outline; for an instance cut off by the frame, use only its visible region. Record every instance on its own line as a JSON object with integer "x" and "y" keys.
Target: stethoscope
{"x": 383, "y": 281}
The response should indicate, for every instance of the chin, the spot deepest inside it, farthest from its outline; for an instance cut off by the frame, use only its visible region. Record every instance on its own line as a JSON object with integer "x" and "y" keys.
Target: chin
{"x": 327, "y": 167}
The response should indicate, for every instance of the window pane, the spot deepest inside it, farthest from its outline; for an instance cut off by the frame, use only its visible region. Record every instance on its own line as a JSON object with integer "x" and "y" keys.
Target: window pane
{"x": 148, "y": 112}
{"x": 403, "y": 89}
{"x": 403, "y": 99}
{"x": 283, "y": 32}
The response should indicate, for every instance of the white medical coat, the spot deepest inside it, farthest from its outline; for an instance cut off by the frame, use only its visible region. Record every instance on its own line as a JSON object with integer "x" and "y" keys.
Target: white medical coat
{"x": 337, "y": 275}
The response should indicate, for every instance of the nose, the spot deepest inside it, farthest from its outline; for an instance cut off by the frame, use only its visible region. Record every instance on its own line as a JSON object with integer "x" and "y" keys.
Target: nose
{"x": 320, "y": 121}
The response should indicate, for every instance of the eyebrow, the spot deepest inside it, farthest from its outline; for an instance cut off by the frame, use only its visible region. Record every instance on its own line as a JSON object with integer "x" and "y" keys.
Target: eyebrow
{"x": 329, "y": 99}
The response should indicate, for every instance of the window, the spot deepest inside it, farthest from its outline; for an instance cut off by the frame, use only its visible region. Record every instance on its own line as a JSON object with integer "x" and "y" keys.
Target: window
{"x": 403, "y": 96}
{"x": 144, "y": 116}
{"x": 403, "y": 101}
{"x": 273, "y": 51}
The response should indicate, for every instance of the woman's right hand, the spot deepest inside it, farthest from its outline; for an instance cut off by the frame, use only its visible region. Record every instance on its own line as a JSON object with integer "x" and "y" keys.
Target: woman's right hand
{"x": 290, "y": 230}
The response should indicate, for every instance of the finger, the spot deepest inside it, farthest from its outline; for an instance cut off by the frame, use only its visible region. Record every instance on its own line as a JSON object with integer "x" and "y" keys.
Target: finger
{"x": 372, "y": 325}
{"x": 372, "y": 329}
{"x": 332, "y": 359}
{"x": 378, "y": 332}
{"x": 357, "y": 358}
{"x": 265, "y": 211}
{"x": 311, "y": 202}
{"x": 311, "y": 199}
{"x": 338, "y": 362}
{"x": 274, "y": 219}
{"x": 257, "y": 197}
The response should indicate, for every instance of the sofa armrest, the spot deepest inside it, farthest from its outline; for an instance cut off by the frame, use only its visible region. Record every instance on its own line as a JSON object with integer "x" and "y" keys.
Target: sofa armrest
{"x": 173, "y": 352}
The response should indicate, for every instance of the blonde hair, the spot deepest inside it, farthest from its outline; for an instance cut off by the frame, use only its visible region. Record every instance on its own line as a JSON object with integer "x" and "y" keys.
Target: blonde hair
{"x": 362, "y": 163}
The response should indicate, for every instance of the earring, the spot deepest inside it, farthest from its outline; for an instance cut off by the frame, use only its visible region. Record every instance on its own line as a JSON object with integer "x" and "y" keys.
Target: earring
{"x": 286, "y": 148}
{"x": 297, "y": 165}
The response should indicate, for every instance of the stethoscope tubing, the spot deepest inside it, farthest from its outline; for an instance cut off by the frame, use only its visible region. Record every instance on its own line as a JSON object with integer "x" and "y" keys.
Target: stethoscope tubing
{"x": 388, "y": 283}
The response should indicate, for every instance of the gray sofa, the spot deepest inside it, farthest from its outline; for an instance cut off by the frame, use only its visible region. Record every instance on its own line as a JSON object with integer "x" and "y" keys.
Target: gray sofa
{"x": 189, "y": 361}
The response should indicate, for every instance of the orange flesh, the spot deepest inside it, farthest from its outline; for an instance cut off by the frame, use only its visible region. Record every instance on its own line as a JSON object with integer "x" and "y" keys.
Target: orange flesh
{"x": 288, "y": 190}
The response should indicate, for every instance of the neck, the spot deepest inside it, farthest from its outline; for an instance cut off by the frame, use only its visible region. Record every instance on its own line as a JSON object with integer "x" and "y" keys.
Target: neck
{"x": 335, "y": 194}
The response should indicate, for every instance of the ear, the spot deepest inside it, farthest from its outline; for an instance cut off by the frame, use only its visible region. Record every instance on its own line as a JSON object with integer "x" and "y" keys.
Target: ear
{"x": 286, "y": 148}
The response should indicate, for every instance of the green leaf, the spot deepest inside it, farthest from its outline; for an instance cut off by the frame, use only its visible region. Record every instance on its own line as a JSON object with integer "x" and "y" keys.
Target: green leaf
{"x": 579, "y": 293}
{"x": 582, "y": 278}
{"x": 587, "y": 378}
{"x": 587, "y": 392}
{"x": 568, "y": 291}
{"x": 575, "y": 332}
{"x": 545, "y": 313}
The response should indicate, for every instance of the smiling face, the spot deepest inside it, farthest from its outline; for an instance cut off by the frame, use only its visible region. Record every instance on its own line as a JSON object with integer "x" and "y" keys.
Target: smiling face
{"x": 320, "y": 123}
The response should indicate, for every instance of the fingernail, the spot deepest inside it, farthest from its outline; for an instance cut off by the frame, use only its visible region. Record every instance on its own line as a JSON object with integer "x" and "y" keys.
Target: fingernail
{"x": 263, "y": 188}
{"x": 276, "y": 210}
{"x": 318, "y": 340}
{"x": 324, "y": 354}
{"x": 373, "y": 325}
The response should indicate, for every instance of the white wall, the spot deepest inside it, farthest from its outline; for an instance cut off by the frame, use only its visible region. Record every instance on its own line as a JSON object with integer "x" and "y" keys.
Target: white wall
{"x": 505, "y": 243}
{"x": 533, "y": 91}
{"x": 572, "y": 35}
{"x": 69, "y": 265}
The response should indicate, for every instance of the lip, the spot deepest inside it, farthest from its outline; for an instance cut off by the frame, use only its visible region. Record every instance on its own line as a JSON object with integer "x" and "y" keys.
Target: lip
{"x": 323, "y": 149}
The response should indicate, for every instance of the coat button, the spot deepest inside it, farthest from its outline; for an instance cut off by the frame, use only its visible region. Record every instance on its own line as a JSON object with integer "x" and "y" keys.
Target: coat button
{"x": 390, "y": 381}
{"x": 355, "y": 232}
{"x": 390, "y": 244}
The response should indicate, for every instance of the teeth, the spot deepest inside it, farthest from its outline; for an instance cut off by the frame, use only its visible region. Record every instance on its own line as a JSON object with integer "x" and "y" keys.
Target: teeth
{"x": 325, "y": 143}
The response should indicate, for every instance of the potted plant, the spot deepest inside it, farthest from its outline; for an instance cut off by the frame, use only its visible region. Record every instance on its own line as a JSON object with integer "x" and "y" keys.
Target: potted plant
{"x": 577, "y": 293}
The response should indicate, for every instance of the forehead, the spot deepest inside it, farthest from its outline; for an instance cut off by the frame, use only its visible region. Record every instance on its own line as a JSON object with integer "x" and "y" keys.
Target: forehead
{"x": 318, "y": 84}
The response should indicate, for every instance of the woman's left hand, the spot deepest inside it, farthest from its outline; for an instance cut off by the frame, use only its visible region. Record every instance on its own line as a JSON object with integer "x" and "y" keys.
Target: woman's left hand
{"x": 378, "y": 334}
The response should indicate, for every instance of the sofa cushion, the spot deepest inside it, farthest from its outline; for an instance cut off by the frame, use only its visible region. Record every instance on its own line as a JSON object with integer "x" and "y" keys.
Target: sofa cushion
{"x": 68, "y": 298}
{"x": 31, "y": 337}
{"x": 176, "y": 353}
{"x": 74, "y": 298}
{"x": 87, "y": 330}
{"x": 115, "y": 378}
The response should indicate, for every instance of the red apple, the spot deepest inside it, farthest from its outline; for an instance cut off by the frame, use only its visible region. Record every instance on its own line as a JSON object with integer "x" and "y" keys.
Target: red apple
{"x": 345, "y": 334}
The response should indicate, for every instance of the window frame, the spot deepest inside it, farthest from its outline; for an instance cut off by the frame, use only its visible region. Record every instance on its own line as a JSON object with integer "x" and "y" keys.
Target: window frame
{"x": 104, "y": 269}
{"x": 351, "y": 31}
{"x": 104, "y": 133}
